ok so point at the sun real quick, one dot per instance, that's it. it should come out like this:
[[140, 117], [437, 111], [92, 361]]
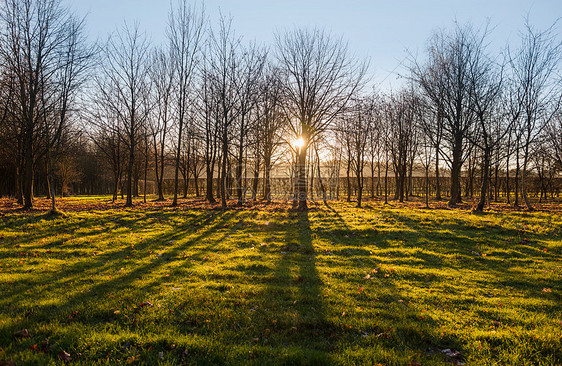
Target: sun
[[299, 143]]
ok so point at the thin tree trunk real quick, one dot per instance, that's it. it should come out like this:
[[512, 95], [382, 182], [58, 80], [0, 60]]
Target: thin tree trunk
[[484, 188], [348, 180], [524, 180], [437, 180], [517, 171], [359, 187], [427, 186]]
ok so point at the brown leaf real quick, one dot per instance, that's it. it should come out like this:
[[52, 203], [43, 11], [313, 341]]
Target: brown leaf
[[45, 346], [24, 333], [64, 356]]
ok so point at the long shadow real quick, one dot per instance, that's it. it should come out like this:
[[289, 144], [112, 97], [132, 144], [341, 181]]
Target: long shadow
[[293, 292], [397, 321], [117, 283]]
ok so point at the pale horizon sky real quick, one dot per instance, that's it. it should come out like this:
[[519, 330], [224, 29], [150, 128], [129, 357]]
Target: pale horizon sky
[[381, 30]]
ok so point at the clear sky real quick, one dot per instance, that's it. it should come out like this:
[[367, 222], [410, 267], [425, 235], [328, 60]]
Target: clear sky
[[382, 30]]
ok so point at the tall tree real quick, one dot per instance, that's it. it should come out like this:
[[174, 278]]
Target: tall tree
[[37, 49], [319, 77], [445, 79], [224, 64], [248, 88], [185, 33], [162, 82], [123, 86], [536, 67]]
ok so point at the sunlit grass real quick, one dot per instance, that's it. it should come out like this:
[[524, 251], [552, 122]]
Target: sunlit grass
[[337, 285]]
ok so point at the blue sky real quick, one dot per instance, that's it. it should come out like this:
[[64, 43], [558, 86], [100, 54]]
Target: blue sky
[[382, 30]]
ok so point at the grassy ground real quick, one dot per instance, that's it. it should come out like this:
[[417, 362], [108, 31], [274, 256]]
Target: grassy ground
[[337, 285]]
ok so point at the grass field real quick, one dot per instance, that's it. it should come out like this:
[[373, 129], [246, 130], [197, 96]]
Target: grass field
[[263, 285]]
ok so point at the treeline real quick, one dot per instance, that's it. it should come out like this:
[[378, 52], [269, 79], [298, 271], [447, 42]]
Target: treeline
[[210, 113]]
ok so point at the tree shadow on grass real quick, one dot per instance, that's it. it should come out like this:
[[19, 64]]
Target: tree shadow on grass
[[292, 299], [103, 277]]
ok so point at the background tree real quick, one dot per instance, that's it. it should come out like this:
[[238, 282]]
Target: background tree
[[539, 94], [186, 29], [162, 82], [224, 62], [123, 87], [445, 79]]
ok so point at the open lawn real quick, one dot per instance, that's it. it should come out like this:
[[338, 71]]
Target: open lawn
[[263, 285]]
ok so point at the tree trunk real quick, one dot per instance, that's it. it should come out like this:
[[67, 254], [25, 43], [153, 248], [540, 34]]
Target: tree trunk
[[507, 193], [145, 171], [256, 180], [386, 183], [129, 201], [301, 180], [524, 180], [517, 169], [196, 179], [48, 181], [224, 172], [52, 192], [427, 186], [456, 166], [322, 187], [27, 181], [484, 188], [373, 178], [239, 180], [359, 187], [348, 180], [437, 180]]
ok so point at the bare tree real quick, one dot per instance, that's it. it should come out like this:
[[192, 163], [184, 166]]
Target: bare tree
[[400, 114], [41, 48], [427, 156], [445, 80], [539, 96], [270, 124], [247, 87], [492, 125], [185, 33], [224, 64], [123, 87], [162, 82], [319, 77], [209, 127], [356, 130]]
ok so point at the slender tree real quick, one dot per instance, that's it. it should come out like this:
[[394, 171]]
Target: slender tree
[[186, 29]]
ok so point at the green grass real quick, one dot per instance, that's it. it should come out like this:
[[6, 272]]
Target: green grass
[[336, 285]]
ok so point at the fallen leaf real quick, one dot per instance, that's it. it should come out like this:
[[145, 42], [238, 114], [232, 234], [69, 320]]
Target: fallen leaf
[[64, 356], [72, 317], [24, 333], [45, 346]]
